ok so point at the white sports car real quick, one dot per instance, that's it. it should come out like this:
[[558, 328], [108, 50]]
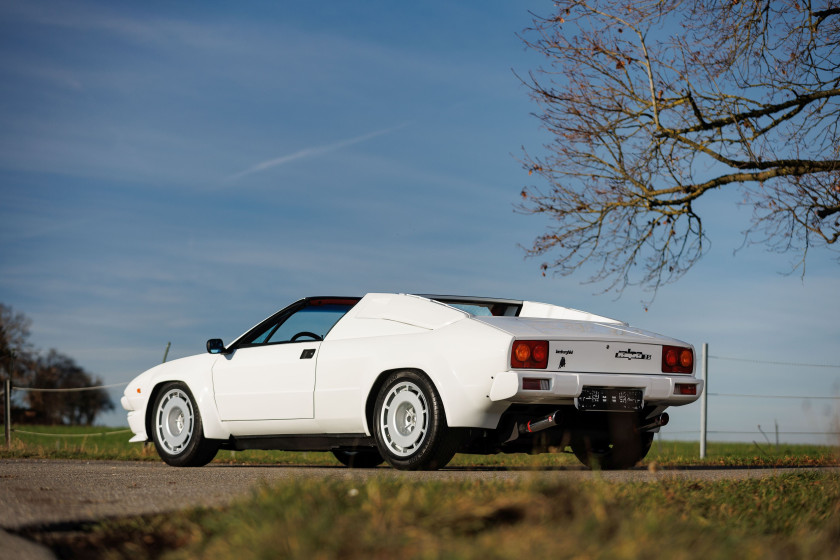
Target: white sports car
[[414, 379]]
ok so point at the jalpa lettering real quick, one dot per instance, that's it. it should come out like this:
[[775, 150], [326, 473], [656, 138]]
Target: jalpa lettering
[[631, 354]]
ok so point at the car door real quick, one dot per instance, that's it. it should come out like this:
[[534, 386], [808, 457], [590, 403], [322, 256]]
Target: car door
[[271, 382], [270, 375]]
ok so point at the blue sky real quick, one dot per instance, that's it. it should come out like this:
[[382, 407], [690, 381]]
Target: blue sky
[[176, 172]]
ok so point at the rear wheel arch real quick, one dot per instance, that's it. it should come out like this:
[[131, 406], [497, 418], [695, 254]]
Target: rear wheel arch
[[616, 444], [409, 422], [370, 403]]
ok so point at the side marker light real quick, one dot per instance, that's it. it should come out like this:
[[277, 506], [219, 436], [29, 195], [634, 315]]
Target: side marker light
[[685, 389], [535, 384]]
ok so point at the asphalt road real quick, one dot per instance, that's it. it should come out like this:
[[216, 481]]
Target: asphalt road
[[36, 494]]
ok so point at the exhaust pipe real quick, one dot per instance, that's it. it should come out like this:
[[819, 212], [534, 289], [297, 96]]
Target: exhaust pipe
[[540, 424], [658, 422]]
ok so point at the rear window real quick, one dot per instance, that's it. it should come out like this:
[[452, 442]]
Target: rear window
[[474, 309], [484, 308]]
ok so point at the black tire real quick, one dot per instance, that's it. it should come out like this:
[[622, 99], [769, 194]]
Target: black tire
[[366, 458], [622, 446], [409, 424], [177, 430]]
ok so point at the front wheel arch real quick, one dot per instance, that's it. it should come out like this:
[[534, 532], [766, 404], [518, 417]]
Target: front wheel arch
[[150, 405], [198, 450], [210, 422]]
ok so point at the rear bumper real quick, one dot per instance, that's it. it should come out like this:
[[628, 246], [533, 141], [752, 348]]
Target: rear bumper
[[565, 387]]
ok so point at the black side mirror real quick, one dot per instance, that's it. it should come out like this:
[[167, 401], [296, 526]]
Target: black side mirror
[[216, 346]]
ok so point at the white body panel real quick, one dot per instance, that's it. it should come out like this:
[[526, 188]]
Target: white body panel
[[266, 383], [564, 388], [195, 372], [548, 311], [272, 390], [407, 309]]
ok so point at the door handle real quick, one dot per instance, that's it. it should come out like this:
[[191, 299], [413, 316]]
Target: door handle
[[307, 354]]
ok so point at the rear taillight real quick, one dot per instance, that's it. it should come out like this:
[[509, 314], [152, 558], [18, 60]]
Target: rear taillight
[[529, 354], [676, 359]]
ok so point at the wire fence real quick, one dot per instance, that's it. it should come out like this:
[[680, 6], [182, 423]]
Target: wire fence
[[776, 363], [18, 431], [754, 432], [759, 432], [773, 363], [9, 389], [70, 389], [771, 396], [6, 394]]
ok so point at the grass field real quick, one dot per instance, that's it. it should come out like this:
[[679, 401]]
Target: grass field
[[779, 517], [70, 442], [783, 517]]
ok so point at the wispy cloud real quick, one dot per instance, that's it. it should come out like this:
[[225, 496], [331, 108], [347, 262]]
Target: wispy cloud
[[99, 17], [311, 152]]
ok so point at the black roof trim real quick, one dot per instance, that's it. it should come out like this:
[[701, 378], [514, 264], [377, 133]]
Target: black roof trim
[[470, 299]]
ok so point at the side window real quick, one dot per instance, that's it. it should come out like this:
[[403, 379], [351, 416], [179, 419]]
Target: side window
[[315, 319]]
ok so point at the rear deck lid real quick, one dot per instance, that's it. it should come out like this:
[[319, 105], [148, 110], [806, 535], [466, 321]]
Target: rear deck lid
[[589, 347]]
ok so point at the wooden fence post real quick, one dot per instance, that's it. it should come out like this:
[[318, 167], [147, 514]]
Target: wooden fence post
[[7, 400]]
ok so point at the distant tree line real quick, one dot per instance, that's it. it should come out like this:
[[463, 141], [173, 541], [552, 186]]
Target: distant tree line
[[28, 368]]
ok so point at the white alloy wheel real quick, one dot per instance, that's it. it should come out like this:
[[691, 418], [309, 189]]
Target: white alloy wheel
[[174, 421], [404, 420]]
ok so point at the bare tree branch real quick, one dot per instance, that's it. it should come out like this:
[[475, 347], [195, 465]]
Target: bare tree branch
[[655, 103]]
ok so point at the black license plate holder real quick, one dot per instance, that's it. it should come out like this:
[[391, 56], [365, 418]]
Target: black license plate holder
[[610, 399]]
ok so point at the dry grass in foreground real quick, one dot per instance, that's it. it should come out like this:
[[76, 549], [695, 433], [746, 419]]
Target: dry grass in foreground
[[784, 517]]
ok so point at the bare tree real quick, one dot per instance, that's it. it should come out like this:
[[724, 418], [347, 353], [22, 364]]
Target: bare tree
[[652, 104], [53, 371], [16, 352], [14, 338], [56, 371]]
